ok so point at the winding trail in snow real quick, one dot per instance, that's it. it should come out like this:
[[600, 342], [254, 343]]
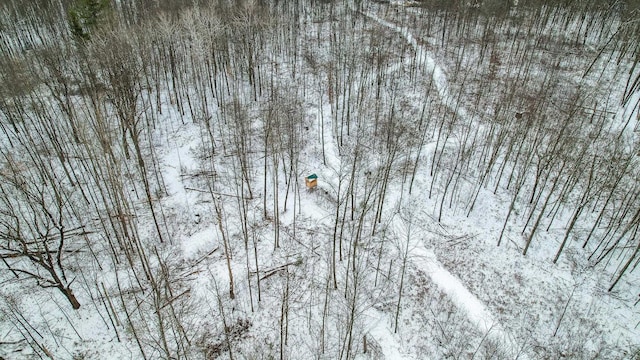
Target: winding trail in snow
[[477, 313], [424, 59], [425, 259]]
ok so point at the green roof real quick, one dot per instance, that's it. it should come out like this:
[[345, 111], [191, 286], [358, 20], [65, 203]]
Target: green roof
[[312, 177]]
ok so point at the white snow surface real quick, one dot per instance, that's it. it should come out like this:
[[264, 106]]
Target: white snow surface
[[379, 326], [198, 241]]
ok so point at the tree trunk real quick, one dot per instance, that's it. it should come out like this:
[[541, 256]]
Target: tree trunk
[[68, 293]]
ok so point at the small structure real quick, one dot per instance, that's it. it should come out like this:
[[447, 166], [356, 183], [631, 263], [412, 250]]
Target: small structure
[[311, 181]]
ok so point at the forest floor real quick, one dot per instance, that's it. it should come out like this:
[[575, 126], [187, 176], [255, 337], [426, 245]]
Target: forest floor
[[439, 288]]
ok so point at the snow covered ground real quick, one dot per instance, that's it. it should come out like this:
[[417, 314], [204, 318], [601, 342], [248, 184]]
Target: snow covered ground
[[238, 276]]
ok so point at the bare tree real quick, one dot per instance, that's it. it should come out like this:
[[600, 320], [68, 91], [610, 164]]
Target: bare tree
[[35, 230]]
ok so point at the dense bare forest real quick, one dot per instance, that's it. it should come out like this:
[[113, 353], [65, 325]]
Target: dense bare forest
[[478, 181]]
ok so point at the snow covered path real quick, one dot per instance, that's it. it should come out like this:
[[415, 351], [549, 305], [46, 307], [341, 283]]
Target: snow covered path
[[477, 313], [425, 259], [425, 60]]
